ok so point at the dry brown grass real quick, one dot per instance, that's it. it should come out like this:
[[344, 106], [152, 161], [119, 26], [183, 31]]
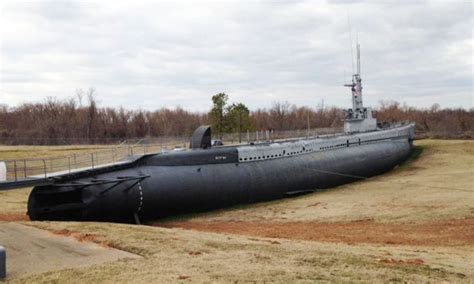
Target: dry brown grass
[[13, 203], [170, 255], [31, 152], [436, 187]]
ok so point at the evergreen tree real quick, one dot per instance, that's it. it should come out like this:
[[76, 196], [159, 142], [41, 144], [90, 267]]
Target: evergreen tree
[[217, 113], [238, 118]]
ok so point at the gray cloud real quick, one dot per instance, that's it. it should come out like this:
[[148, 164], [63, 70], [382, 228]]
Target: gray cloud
[[152, 54]]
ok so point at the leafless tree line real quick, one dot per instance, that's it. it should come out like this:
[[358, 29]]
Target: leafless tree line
[[55, 122], [433, 122]]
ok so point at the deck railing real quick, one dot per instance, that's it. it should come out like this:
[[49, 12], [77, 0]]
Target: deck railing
[[22, 169], [32, 168]]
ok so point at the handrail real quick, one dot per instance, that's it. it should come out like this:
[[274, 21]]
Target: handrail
[[25, 169]]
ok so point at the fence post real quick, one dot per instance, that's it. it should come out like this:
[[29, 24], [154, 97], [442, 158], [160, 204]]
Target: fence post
[[69, 163], [92, 159], [14, 169], [44, 169], [24, 168]]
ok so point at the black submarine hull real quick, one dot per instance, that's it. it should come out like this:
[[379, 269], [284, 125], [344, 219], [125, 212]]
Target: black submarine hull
[[156, 187]]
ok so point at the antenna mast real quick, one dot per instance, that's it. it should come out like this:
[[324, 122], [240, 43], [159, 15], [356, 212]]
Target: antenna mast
[[358, 59], [356, 88], [358, 118], [350, 37]]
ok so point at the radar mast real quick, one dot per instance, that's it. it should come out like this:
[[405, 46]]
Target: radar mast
[[358, 118]]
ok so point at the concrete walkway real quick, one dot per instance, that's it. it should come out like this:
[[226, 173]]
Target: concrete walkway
[[31, 251]]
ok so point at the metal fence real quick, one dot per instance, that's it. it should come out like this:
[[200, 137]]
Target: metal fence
[[272, 135], [21, 169]]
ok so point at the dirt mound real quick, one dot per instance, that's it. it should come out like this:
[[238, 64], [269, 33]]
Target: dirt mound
[[457, 232]]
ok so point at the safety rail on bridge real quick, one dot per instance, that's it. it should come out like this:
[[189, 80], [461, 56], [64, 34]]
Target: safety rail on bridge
[[39, 168], [43, 168]]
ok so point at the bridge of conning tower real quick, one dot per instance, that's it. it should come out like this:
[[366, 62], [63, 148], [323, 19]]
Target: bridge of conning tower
[[358, 118]]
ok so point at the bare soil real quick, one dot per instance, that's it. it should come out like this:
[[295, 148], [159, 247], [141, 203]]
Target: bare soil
[[13, 217], [83, 237], [457, 232]]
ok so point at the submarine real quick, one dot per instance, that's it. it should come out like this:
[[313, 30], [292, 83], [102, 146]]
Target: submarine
[[207, 177]]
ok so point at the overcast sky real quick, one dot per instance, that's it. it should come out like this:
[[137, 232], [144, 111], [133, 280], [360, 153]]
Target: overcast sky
[[148, 55]]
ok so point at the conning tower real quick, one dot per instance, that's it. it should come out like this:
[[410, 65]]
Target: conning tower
[[358, 118]]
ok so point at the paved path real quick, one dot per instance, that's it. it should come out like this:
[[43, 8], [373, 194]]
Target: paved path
[[31, 251]]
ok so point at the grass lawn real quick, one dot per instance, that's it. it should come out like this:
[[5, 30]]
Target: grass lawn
[[412, 224]]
